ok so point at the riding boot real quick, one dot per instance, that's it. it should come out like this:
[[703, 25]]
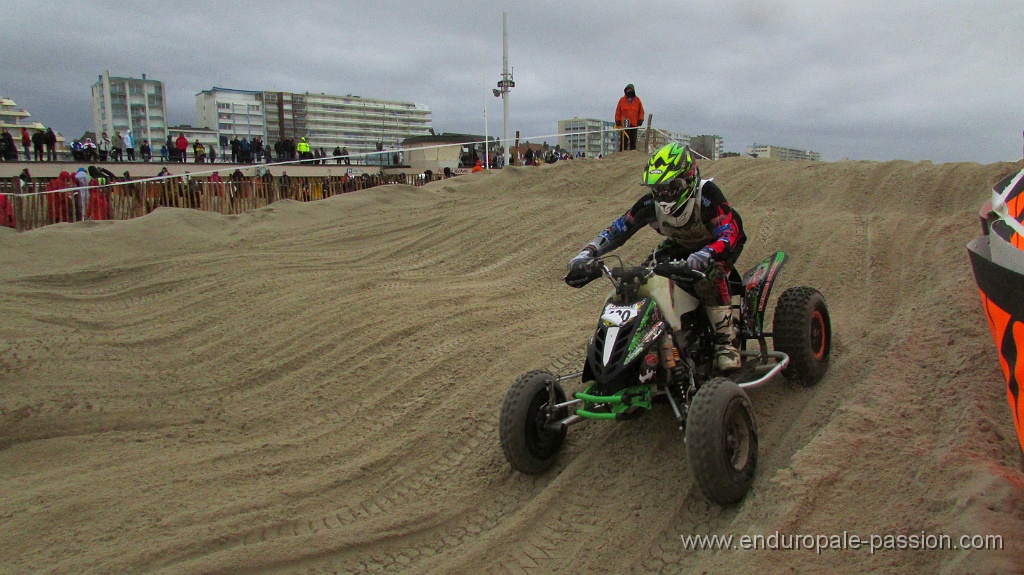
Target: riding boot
[[727, 357]]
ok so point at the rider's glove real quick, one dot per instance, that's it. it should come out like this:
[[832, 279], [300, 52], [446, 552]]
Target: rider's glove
[[672, 269], [582, 269], [581, 259], [700, 260]]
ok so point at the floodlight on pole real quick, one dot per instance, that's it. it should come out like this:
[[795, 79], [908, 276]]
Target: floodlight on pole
[[504, 85]]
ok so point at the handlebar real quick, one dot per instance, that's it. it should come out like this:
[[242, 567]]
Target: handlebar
[[647, 269]]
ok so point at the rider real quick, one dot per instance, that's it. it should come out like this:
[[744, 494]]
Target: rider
[[702, 231]]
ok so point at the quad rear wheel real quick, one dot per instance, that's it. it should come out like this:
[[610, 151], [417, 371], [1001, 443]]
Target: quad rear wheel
[[802, 329], [721, 441], [529, 444]]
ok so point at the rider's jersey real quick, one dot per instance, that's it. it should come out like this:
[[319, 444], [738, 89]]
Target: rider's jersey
[[715, 226]]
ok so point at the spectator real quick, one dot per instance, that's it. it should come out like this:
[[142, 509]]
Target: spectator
[[103, 146], [38, 141], [629, 116], [57, 202], [26, 143], [237, 182], [7, 212], [129, 144], [172, 150], [82, 194], [478, 167], [51, 145], [98, 206], [267, 181], [286, 185], [257, 149], [235, 145], [164, 153], [134, 191], [8, 151], [116, 146], [212, 153], [89, 150], [181, 145], [217, 183], [278, 150], [344, 156], [145, 151], [303, 149], [245, 151], [198, 151]]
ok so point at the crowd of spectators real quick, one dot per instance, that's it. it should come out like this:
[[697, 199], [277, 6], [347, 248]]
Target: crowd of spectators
[[96, 193], [40, 145]]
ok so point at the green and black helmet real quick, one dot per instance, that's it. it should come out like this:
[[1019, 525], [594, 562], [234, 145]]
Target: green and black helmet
[[673, 178]]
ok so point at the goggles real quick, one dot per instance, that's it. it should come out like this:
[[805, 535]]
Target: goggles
[[671, 191]]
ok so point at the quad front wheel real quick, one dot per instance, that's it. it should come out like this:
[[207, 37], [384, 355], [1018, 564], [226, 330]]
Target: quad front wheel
[[802, 329], [721, 441], [529, 444]]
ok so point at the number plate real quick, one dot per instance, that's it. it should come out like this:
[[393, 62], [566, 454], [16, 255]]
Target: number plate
[[620, 314]]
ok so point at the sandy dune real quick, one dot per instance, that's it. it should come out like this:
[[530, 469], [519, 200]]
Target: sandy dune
[[314, 388]]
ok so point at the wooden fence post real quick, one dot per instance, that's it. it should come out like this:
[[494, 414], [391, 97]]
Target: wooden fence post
[[650, 128], [16, 204]]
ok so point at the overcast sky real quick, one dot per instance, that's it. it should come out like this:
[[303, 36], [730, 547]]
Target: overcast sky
[[878, 80]]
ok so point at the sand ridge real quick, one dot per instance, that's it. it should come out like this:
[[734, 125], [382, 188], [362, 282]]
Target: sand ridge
[[314, 387]]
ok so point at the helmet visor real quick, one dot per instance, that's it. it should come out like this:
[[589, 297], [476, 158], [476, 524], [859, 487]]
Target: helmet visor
[[672, 191]]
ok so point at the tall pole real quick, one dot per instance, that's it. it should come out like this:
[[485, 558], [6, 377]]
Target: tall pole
[[487, 146], [505, 85]]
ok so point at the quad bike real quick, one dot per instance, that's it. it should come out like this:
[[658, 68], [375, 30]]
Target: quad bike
[[654, 343]]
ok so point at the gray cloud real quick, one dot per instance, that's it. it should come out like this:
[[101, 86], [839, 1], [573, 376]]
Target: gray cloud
[[865, 80]]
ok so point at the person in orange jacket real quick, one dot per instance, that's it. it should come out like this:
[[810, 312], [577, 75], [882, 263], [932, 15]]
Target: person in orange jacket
[[629, 115], [478, 167]]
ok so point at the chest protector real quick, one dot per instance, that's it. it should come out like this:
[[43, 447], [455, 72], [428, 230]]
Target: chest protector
[[692, 233]]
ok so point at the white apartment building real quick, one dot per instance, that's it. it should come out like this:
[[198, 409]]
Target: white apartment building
[[591, 136], [231, 113], [326, 121], [780, 153], [120, 104], [359, 124]]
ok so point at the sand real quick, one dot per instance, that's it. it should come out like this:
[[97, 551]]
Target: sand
[[314, 388]]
